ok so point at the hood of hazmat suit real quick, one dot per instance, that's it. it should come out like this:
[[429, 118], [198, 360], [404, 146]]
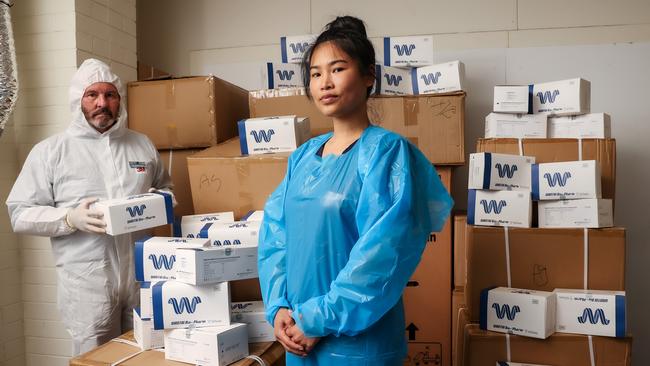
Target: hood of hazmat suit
[[96, 285], [341, 236]]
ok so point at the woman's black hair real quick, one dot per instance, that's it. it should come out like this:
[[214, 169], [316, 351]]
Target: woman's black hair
[[348, 34]]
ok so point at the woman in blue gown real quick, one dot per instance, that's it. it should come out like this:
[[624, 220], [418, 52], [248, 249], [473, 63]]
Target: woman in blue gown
[[346, 228]]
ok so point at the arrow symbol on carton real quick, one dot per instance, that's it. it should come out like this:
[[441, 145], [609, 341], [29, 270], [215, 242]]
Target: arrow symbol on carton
[[412, 329]]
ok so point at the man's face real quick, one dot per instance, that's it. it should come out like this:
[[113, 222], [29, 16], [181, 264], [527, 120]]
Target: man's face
[[100, 105]]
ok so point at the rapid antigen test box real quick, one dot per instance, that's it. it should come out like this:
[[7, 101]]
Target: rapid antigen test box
[[414, 51], [583, 213], [191, 225], [441, 78], [516, 311], [272, 134], [500, 171], [236, 233], [562, 98], [293, 48], [275, 76], [253, 216], [214, 346], [519, 126], [179, 305], [566, 180], [586, 126], [137, 212], [512, 99], [155, 258], [591, 312], [499, 208], [201, 266], [392, 81], [252, 314]]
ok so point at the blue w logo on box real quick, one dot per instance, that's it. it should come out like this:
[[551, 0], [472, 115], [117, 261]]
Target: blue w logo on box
[[184, 304], [593, 317], [285, 74], [431, 78], [404, 49], [506, 170], [162, 261], [548, 96], [262, 135], [506, 311], [227, 242], [299, 47], [136, 210], [557, 179], [493, 206], [393, 79]]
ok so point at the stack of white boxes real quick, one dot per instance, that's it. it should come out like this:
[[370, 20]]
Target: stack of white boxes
[[185, 298]]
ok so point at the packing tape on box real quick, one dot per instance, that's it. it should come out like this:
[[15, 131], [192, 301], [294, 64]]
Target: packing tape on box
[[410, 111], [508, 353], [520, 143], [585, 272], [171, 158], [580, 149], [170, 95]]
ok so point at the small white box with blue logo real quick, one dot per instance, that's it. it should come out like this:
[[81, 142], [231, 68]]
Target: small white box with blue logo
[[137, 212], [566, 180], [441, 78], [413, 51], [254, 216], [500, 171], [253, 315], [499, 208], [191, 225], [155, 257], [517, 311], [275, 76], [586, 126], [583, 213], [201, 266], [179, 305], [213, 346], [562, 98], [293, 48], [144, 334], [272, 134], [512, 99], [236, 233], [518, 126], [392, 81], [591, 312]]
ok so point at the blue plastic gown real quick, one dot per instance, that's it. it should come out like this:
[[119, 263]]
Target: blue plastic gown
[[341, 237]]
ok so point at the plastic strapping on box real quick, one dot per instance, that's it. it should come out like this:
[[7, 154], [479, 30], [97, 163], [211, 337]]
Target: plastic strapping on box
[[580, 149], [171, 157], [259, 359], [410, 111], [508, 353], [507, 242], [586, 259], [119, 340], [520, 142], [592, 357]]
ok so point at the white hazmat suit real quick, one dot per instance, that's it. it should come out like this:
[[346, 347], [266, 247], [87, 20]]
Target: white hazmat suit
[[96, 285]]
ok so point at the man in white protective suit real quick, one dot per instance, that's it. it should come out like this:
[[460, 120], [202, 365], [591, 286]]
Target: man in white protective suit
[[97, 157]]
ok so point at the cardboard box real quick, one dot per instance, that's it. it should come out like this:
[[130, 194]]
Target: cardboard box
[[485, 348], [457, 312], [392, 81], [566, 180], [586, 126], [433, 123], [186, 113], [252, 314], [298, 105], [516, 311], [499, 208], [561, 98], [460, 250], [137, 212], [236, 233], [148, 72], [590, 213], [293, 48], [558, 150], [254, 216], [512, 99], [155, 258], [599, 313], [216, 264], [191, 225], [504, 363], [272, 134], [542, 260], [214, 346], [179, 305], [500, 171], [427, 317], [276, 75], [447, 77], [519, 126], [413, 51], [223, 180], [144, 333]]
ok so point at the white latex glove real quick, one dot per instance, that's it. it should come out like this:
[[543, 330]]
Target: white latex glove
[[174, 202], [85, 219]]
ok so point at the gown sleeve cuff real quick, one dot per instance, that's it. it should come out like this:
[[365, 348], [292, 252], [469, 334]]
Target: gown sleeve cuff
[[273, 307], [309, 319]]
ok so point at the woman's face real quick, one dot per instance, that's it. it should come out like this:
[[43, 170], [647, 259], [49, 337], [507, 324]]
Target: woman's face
[[336, 85]]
